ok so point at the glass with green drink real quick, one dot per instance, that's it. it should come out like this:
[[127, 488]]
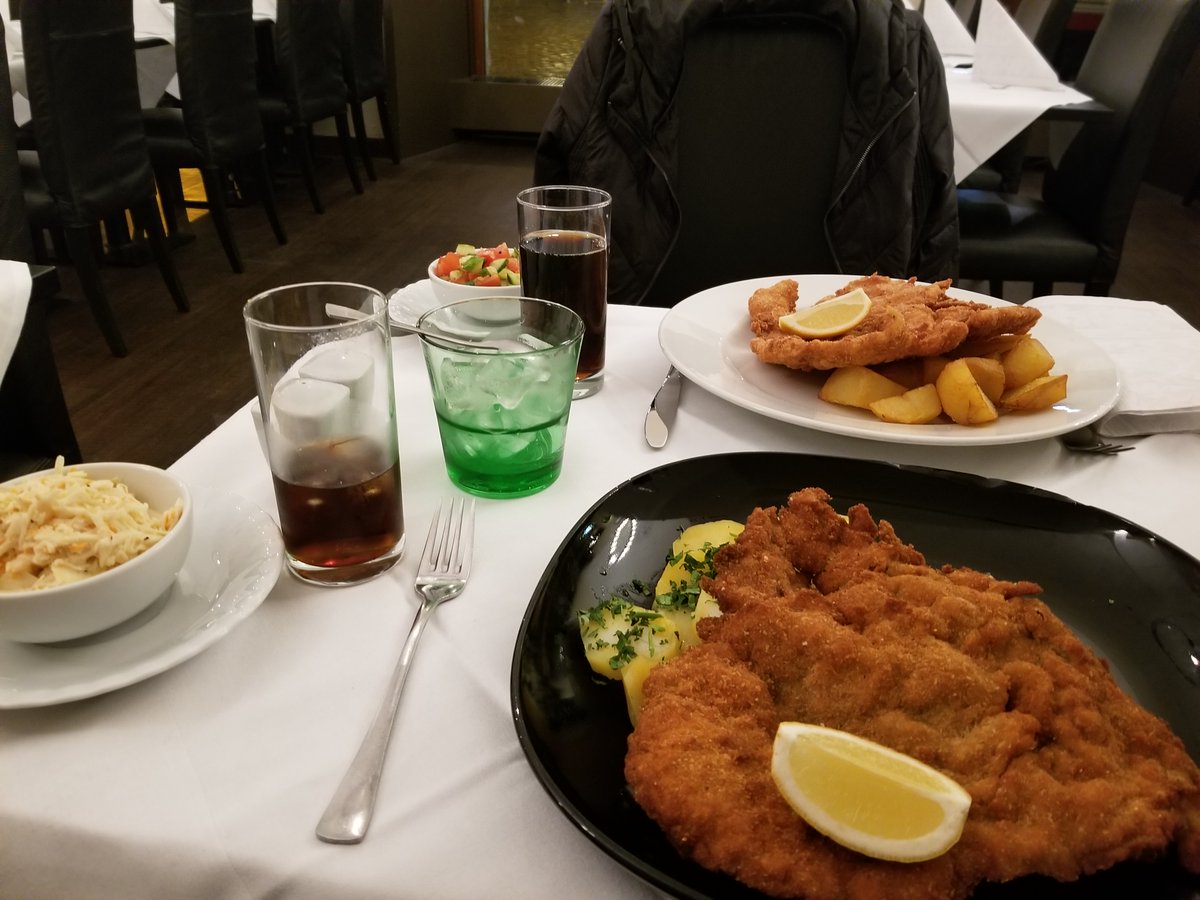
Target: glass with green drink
[[502, 382]]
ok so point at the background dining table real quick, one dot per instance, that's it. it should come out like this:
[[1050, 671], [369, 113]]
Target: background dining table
[[208, 779]]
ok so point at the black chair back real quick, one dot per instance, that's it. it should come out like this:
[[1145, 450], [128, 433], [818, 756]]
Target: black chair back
[[216, 58], [87, 114], [308, 53], [362, 47], [735, 72], [1133, 66], [1045, 22], [15, 240]]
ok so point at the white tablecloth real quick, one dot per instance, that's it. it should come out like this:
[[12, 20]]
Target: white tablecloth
[[207, 781]]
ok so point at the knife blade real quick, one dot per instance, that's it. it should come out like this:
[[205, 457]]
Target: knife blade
[[661, 415]]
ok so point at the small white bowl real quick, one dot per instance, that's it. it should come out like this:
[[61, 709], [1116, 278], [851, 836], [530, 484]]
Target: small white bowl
[[449, 291], [108, 598]]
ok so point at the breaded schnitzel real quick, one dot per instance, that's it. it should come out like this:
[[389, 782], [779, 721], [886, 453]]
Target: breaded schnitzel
[[906, 319], [842, 624]]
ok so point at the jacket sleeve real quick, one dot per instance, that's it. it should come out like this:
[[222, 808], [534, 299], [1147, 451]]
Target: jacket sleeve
[[935, 255]]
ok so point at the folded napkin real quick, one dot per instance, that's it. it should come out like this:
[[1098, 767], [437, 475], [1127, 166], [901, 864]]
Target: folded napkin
[[15, 285], [948, 30], [1005, 56], [1156, 352]]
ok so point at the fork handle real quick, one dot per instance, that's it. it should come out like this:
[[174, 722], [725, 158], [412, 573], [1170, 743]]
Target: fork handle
[[349, 812]]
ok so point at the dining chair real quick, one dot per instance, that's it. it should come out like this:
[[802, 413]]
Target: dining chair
[[1076, 230], [763, 165], [37, 424], [219, 129], [92, 161], [306, 83], [366, 73], [1044, 22]]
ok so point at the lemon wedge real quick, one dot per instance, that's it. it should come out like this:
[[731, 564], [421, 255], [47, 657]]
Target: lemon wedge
[[828, 318], [865, 796]]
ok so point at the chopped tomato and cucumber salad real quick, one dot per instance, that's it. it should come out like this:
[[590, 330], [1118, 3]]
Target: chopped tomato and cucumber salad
[[480, 266]]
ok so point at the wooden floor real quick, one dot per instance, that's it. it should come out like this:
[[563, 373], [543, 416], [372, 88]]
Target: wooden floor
[[187, 372]]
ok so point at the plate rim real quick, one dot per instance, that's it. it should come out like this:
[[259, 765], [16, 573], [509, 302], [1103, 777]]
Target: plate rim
[[961, 436], [576, 816], [187, 644]]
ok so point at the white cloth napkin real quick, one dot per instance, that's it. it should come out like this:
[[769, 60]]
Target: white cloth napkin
[[1004, 54], [949, 33], [1157, 354], [15, 285]]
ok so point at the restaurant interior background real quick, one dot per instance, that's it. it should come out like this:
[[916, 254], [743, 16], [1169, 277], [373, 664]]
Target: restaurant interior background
[[472, 83]]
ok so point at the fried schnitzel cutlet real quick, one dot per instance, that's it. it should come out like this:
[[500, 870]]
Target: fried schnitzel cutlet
[[906, 319], [842, 624]]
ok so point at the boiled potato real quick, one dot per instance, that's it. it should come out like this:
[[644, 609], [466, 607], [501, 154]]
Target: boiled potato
[[1027, 360], [916, 407], [716, 533], [633, 679], [989, 374], [963, 400], [616, 632], [858, 386], [1041, 393], [907, 372]]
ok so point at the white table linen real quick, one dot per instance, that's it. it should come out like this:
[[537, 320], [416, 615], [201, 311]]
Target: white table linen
[[207, 781], [16, 283]]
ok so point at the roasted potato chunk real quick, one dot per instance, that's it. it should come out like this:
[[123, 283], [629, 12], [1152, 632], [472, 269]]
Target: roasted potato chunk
[[858, 386], [963, 400], [989, 374], [916, 407], [1041, 393], [1027, 360]]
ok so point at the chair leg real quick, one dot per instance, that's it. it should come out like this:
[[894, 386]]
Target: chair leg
[[1043, 288], [360, 134], [385, 123], [996, 288], [87, 266], [214, 190], [267, 194], [145, 216], [343, 133], [1097, 288], [170, 192], [300, 146]]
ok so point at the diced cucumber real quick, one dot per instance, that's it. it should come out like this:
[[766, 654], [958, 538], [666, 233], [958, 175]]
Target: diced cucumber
[[460, 249], [471, 263]]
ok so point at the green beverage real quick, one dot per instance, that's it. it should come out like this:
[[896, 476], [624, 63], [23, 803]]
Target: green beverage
[[502, 408]]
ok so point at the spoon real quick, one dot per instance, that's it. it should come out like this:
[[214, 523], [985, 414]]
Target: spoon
[[336, 311]]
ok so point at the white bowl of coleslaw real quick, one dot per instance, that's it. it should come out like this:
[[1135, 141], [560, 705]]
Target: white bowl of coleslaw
[[84, 548]]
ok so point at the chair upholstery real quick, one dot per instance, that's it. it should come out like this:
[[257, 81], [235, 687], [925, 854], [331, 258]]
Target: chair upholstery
[[366, 73], [1076, 231], [1044, 22], [219, 127], [36, 423], [92, 161], [308, 83]]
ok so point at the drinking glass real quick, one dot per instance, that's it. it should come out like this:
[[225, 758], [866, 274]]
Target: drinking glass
[[564, 232], [502, 391], [329, 428]]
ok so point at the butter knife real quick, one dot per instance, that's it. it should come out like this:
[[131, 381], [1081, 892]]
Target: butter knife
[[661, 415]]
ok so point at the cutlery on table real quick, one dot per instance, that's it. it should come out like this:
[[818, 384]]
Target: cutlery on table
[[442, 575], [1088, 440], [661, 415]]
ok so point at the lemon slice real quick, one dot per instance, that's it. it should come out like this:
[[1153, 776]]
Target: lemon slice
[[828, 318], [865, 796]]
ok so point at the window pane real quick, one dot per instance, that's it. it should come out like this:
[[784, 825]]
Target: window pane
[[535, 39]]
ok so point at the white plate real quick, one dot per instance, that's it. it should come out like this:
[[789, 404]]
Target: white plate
[[707, 337], [234, 561], [409, 303]]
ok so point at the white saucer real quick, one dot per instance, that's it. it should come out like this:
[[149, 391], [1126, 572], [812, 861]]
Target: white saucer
[[235, 559], [409, 303]]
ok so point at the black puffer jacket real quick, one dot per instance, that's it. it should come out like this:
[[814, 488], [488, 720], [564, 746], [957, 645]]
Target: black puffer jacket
[[893, 207]]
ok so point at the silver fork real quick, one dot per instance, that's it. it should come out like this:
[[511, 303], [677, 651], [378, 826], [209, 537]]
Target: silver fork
[[1087, 440], [442, 575]]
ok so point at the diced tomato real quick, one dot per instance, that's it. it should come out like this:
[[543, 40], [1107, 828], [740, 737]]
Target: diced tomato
[[447, 263], [488, 281], [502, 251], [514, 264]]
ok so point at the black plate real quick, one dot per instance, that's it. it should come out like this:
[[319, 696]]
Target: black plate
[[1132, 596]]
